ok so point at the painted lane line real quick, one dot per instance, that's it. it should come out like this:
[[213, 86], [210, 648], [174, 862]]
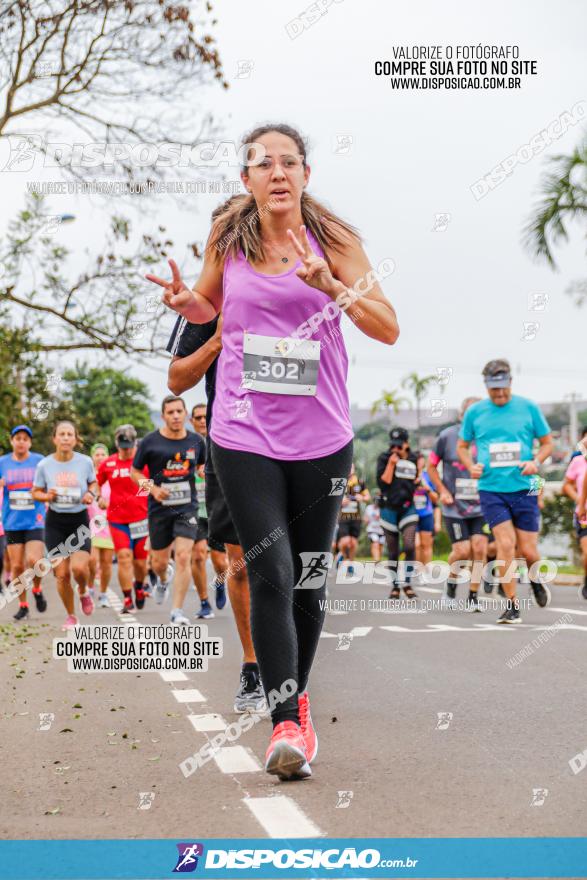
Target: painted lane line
[[327, 635], [172, 675], [566, 610], [203, 723], [398, 610], [483, 628], [236, 759], [360, 630], [280, 816], [188, 696]]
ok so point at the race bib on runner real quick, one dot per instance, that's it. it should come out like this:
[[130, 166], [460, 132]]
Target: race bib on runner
[[139, 529], [273, 365], [466, 489], [21, 499], [350, 506], [420, 501], [68, 496], [179, 493], [505, 454], [405, 470], [201, 492]]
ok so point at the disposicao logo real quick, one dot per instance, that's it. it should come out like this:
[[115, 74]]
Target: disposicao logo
[[187, 859]]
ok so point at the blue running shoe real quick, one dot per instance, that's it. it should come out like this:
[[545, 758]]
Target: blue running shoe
[[205, 612], [220, 590]]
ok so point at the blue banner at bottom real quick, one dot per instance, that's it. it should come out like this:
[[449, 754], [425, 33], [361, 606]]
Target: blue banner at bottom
[[308, 858]]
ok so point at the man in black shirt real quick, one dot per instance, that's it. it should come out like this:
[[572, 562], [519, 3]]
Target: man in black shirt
[[171, 454], [195, 349], [397, 478]]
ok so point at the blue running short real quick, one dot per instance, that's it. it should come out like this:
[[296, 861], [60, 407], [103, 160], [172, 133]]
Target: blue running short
[[519, 507]]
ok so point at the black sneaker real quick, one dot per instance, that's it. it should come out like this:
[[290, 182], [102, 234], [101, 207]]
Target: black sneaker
[[510, 615], [22, 613], [541, 594], [488, 586], [40, 601], [250, 696], [583, 591], [451, 591], [473, 604]]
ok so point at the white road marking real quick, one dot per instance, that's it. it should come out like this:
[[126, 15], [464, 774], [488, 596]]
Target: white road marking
[[236, 759], [207, 722], [172, 675], [280, 816], [566, 610], [188, 696], [428, 589], [327, 635], [360, 630], [481, 628]]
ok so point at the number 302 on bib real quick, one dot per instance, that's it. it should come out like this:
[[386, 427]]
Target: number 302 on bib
[[274, 365]]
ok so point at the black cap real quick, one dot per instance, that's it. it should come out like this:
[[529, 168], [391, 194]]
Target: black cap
[[399, 436], [125, 437]]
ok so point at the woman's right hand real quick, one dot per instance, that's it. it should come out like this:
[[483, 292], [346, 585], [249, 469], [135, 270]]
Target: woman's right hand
[[176, 294]]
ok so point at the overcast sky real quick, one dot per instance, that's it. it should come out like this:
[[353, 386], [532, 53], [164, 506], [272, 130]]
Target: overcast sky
[[461, 294]]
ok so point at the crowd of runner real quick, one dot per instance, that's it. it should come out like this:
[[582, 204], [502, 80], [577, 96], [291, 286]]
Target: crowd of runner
[[264, 455]]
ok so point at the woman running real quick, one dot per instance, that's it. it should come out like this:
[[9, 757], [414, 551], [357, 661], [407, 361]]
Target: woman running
[[397, 478], [67, 481], [425, 497], [281, 266], [102, 544]]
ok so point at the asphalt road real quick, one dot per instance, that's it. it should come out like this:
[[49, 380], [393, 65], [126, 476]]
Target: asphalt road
[[392, 762]]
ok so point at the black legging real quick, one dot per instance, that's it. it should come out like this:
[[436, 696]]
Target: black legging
[[392, 539], [268, 498]]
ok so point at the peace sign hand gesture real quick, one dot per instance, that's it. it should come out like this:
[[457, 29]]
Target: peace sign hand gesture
[[315, 270], [176, 295]]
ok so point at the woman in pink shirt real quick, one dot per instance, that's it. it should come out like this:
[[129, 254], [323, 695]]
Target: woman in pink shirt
[[574, 487], [282, 268]]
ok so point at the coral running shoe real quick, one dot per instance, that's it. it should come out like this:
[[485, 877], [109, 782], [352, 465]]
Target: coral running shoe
[[286, 755], [70, 622], [308, 732]]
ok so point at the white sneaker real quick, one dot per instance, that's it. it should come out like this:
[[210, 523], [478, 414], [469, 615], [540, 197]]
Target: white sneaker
[[161, 591], [103, 601], [178, 617]]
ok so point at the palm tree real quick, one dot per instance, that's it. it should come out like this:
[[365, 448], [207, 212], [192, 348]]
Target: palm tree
[[418, 385], [390, 401], [564, 198]]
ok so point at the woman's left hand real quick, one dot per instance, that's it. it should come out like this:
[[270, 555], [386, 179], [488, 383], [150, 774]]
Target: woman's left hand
[[88, 498], [315, 270]]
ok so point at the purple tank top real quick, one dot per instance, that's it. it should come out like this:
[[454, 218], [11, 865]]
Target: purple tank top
[[285, 400]]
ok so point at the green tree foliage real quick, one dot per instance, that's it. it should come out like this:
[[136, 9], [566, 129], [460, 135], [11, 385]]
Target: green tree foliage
[[563, 200], [102, 399]]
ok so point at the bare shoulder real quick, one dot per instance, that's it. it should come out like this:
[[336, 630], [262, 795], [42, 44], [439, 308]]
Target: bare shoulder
[[349, 249]]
